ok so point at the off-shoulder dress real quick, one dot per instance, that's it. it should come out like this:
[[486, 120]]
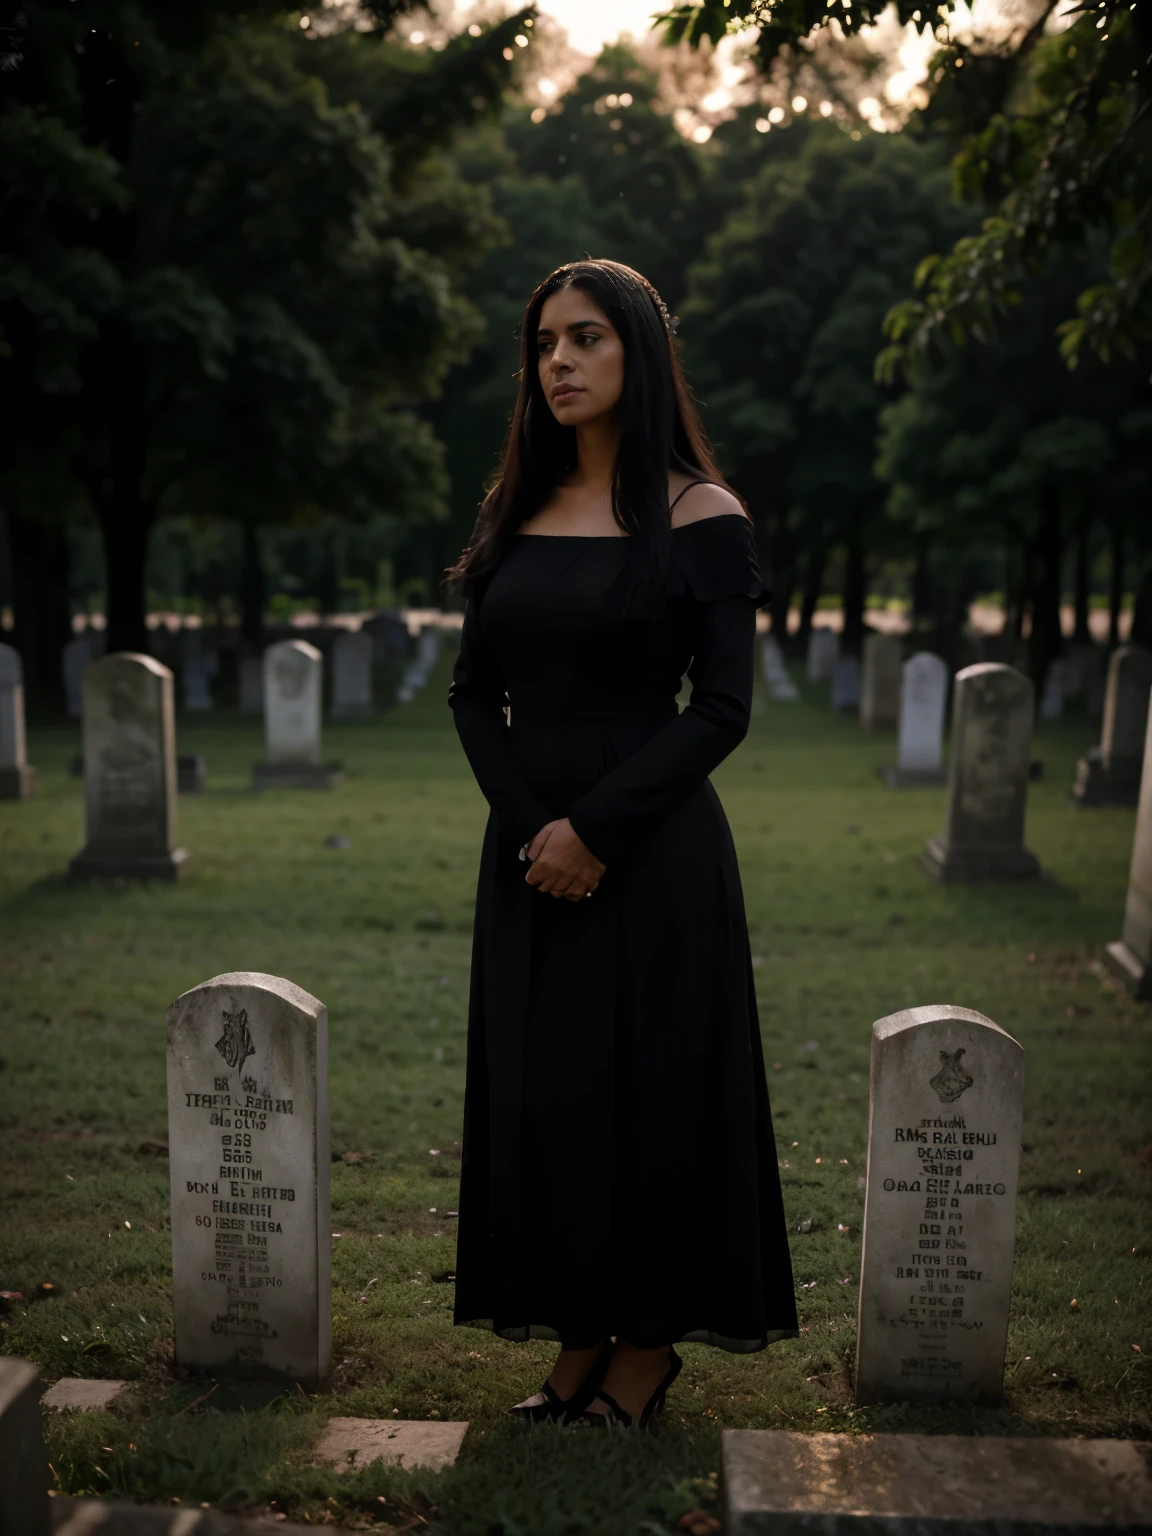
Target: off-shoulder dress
[[619, 1167]]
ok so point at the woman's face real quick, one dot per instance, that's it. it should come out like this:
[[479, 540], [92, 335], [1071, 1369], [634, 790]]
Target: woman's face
[[581, 358]]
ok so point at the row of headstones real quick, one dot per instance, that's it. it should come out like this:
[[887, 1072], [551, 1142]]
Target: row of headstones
[[1079, 674], [129, 758], [288, 690], [353, 654], [910, 697], [248, 1145]]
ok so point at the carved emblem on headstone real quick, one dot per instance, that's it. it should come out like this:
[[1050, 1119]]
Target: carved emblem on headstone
[[235, 1044], [951, 1080]]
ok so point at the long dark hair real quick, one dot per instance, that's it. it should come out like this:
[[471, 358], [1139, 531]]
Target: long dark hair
[[660, 429]]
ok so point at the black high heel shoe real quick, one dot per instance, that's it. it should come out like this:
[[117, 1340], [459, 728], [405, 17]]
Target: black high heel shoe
[[651, 1409], [566, 1410]]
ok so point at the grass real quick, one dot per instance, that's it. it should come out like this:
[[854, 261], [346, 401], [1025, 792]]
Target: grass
[[844, 929]]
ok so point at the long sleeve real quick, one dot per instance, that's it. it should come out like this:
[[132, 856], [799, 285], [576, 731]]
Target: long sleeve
[[671, 764], [476, 697]]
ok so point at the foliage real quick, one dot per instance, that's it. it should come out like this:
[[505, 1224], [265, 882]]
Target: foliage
[[226, 283], [1054, 133], [782, 325]]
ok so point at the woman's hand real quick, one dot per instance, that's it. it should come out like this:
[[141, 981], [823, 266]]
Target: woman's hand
[[561, 864]]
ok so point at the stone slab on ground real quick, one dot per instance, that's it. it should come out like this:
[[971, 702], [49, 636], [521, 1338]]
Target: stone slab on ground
[[101, 1517], [788, 1484], [82, 1392], [349, 1443]]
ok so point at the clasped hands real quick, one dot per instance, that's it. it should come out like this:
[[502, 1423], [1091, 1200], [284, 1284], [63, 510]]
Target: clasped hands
[[561, 864]]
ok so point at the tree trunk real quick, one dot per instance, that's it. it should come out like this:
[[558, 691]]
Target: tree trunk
[[1046, 641], [1082, 633], [253, 590], [1115, 582], [126, 525], [813, 581], [1141, 632], [782, 569], [855, 593], [921, 604], [40, 603], [1021, 585]]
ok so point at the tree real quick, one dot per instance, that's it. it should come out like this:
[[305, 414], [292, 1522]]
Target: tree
[[1053, 133], [781, 330], [222, 286]]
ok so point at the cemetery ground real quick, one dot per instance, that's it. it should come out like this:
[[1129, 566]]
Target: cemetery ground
[[844, 927]]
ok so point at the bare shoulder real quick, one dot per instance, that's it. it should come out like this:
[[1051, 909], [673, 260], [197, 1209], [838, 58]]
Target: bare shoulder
[[703, 501]]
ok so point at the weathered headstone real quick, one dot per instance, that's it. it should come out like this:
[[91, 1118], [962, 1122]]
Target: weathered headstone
[[24, 1474], [776, 674], [191, 773], [1110, 773], [129, 771], [292, 705], [846, 685], [1055, 682], [198, 671], [920, 736], [983, 837], [17, 780], [1130, 957], [84, 1394], [249, 1156], [417, 673], [390, 637], [350, 1444], [777, 1480], [823, 654], [252, 685], [88, 646], [947, 1103], [880, 683], [352, 674]]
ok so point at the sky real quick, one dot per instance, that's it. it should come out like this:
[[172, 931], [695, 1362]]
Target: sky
[[591, 23]]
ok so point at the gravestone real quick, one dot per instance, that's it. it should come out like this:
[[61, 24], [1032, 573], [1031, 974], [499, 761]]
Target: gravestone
[[920, 736], [417, 673], [846, 685], [249, 1156], [776, 674], [880, 683], [390, 637], [24, 1474], [1130, 957], [983, 837], [823, 654], [252, 685], [1110, 773], [198, 670], [1082, 657], [129, 771], [946, 1108], [1055, 683], [191, 773], [352, 675], [778, 1481], [292, 694], [87, 647], [17, 780]]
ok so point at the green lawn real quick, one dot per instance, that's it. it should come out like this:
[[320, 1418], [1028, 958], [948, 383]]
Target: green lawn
[[844, 929]]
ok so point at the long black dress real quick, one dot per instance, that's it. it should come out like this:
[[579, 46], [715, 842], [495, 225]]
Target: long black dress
[[619, 1169]]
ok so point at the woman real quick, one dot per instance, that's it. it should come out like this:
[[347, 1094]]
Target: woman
[[619, 1189]]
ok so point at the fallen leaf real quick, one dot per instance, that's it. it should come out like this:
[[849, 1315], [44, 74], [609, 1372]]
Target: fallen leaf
[[356, 1157], [1074, 1305], [1135, 1348], [46, 1288]]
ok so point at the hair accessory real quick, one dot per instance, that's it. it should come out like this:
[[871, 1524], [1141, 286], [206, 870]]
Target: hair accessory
[[670, 321]]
